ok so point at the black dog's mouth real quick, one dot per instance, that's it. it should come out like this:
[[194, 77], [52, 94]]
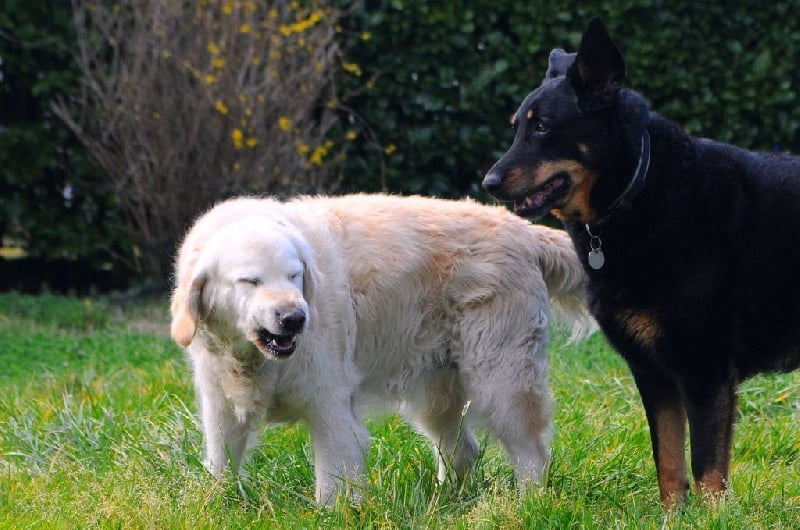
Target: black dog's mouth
[[543, 198], [275, 345]]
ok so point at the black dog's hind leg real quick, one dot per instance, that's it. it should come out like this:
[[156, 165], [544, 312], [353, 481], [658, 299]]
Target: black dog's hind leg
[[711, 408], [666, 416]]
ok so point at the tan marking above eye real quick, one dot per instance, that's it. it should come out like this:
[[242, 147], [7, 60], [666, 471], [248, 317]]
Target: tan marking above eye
[[529, 114], [513, 118]]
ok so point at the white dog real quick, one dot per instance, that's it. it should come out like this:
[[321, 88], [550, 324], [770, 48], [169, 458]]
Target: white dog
[[318, 308]]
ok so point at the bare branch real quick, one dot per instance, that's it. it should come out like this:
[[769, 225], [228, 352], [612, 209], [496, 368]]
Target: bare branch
[[186, 102]]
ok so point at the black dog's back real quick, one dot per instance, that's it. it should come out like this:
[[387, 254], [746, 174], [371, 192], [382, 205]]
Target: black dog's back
[[764, 213]]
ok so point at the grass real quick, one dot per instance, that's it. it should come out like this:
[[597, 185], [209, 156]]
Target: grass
[[98, 430]]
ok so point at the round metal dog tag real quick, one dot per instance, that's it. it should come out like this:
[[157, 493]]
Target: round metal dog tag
[[596, 259]]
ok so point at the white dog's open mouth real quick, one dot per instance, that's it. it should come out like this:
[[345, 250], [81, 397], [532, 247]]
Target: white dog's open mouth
[[275, 345]]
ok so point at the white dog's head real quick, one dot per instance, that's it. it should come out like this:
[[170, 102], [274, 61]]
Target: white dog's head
[[252, 281]]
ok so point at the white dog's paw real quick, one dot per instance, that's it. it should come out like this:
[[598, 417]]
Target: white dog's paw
[[215, 469]]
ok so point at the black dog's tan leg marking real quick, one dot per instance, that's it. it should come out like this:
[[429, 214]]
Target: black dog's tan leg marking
[[711, 408], [666, 417], [642, 327], [577, 206]]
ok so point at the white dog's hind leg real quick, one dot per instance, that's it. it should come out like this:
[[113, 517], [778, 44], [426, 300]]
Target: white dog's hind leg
[[437, 408], [526, 436], [504, 372], [340, 442]]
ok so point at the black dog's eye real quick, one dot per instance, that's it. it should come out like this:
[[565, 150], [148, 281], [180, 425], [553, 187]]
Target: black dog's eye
[[541, 128]]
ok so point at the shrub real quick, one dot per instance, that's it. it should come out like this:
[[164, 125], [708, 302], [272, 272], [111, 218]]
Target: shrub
[[50, 205], [184, 103], [428, 88], [442, 79]]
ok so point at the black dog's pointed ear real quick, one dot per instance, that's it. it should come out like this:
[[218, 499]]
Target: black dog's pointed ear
[[558, 63], [598, 72]]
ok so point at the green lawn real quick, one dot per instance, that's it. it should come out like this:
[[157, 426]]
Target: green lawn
[[98, 430]]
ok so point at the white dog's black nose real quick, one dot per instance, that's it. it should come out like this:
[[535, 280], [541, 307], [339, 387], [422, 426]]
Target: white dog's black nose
[[292, 322]]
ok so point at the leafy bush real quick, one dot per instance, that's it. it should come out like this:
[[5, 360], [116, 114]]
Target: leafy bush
[[185, 103], [429, 88], [49, 202], [441, 80]]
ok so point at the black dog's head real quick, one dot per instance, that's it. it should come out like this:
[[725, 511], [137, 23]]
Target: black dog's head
[[567, 136]]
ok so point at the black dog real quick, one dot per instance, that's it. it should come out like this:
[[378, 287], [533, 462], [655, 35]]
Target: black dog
[[690, 248]]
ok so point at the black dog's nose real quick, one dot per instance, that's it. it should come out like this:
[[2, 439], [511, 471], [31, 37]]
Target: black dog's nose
[[293, 322], [492, 181]]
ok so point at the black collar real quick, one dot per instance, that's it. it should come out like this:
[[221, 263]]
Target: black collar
[[626, 198]]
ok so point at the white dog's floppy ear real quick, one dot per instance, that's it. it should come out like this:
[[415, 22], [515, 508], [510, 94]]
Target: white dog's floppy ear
[[186, 307], [311, 274]]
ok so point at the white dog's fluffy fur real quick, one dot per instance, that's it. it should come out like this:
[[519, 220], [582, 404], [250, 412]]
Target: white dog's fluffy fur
[[318, 308]]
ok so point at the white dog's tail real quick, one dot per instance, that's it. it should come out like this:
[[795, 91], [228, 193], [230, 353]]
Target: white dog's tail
[[564, 276]]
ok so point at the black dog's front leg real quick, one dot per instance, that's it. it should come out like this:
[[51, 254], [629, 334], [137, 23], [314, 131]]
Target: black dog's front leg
[[711, 407], [666, 417]]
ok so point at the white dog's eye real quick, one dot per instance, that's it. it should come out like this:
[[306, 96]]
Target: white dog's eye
[[249, 281], [294, 276]]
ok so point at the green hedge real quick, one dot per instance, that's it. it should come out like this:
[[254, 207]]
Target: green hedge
[[441, 81], [433, 85], [49, 203]]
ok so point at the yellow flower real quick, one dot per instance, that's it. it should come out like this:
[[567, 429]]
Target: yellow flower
[[244, 29], [252, 142], [319, 153], [221, 107], [302, 149], [301, 25], [351, 135], [237, 137], [210, 79], [212, 48], [353, 68], [219, 62], [391, 148], [284, 123], [317, 156], [227, 8]]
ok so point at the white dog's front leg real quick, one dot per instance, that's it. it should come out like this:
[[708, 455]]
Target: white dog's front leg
[[340, 441], [225, 435]]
